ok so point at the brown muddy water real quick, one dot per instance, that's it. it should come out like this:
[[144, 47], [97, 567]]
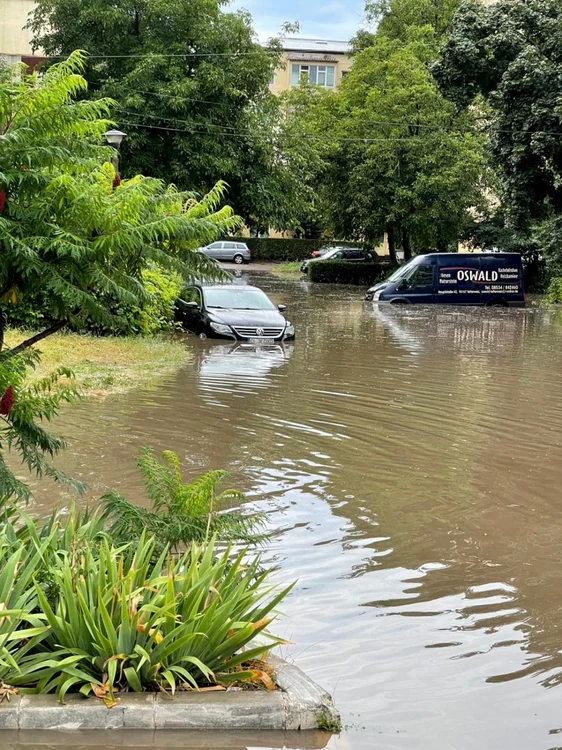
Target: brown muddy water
[[410, 464]]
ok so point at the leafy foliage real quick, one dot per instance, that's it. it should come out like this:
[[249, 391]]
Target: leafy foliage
[[342, 272], [405, 163], [21, 427], [145, 317], [65, 232], [507, 60], [554, 292], [72, 242], [114, 620], [179, 513], [192, 84], [400, 19]]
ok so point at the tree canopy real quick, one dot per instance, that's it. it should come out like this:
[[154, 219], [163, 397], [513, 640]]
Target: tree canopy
[[67, 231], [395, 155], [506, 61], [193, 90]]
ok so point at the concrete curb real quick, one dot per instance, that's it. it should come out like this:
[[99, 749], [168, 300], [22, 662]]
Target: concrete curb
[[299, 704]]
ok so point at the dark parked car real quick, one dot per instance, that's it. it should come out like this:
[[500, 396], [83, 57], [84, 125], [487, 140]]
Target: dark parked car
[[240, 313], [351, 254], [322, 252]]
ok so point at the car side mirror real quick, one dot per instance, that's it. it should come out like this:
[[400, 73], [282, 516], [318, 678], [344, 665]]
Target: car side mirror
[[281, 308], [191, 305], [402, 286]]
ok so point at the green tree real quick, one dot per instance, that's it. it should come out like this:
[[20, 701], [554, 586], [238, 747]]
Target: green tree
[[65, 230], [506, 60], [400, 161], [193, 90], [398, 19], [66, 233]]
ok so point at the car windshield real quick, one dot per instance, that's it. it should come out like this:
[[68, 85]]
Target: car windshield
[[238, 299], [402, 271]]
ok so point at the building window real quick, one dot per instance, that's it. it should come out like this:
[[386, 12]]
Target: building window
[[320, 75]]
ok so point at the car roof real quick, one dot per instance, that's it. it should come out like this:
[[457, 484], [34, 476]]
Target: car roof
[[234, 283], [467, 255]]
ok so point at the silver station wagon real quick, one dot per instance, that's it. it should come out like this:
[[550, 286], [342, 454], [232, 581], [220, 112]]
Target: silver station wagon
[[237, 252]]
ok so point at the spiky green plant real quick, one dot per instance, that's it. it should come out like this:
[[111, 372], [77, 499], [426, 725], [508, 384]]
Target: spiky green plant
[[123, 622], [179, 513]]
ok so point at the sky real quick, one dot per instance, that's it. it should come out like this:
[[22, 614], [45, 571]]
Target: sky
[[323, 19]]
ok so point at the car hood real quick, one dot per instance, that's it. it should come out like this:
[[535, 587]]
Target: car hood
[[261, 318], [380, 285]]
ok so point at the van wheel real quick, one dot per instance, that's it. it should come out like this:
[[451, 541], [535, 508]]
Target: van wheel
[[398, 302], [496, 303], [238, 259]]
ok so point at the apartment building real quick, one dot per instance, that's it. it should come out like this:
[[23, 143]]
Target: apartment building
[[317, 61], [15, 40]]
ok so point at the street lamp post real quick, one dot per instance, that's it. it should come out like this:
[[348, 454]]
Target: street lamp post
[[114, 138]]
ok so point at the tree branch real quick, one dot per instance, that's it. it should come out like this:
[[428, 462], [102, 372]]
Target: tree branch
[[38, 337]]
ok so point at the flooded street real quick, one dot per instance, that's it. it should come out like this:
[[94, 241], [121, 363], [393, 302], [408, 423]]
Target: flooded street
[[410, 463]]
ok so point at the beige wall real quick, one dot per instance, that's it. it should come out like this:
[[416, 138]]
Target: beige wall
[[14, 40], [282, 79]]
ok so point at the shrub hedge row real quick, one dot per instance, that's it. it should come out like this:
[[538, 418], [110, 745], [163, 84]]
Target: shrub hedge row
[[280, 250], [344, 272]]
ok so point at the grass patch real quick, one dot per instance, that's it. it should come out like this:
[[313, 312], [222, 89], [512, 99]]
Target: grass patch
[[287, 270], [105, 365]]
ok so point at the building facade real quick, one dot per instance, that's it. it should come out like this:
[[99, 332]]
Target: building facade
[[316, 61], [15, 40]]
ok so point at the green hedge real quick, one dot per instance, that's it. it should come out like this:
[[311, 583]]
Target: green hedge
[[280, 250], [344, 272]]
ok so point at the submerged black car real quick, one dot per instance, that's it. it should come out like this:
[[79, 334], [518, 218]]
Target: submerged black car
[[227, 311]]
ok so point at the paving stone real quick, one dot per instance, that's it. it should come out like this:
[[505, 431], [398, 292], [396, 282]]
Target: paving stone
[[9, 713], [231, 710]]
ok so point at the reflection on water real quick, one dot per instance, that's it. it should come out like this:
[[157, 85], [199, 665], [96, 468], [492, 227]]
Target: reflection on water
[[113, 740], [412, 459]]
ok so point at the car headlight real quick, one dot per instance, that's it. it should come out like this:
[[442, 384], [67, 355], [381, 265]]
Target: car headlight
[[377, 295], [289, 329], [220, 328]]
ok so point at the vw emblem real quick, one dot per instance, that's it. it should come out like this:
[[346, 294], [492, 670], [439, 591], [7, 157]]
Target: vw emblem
[[259, 331]]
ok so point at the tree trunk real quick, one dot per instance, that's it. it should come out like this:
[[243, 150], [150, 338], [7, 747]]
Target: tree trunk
[[2, 328], [406, 245], [38, 337], [391, 242]]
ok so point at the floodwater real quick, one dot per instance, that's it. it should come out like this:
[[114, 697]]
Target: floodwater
[[410, 463]]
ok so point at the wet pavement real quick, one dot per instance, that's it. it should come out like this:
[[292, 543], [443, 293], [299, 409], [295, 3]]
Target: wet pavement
[[409, 461]]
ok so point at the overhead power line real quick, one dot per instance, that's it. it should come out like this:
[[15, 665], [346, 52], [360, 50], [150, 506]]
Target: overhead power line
[[272, 137]]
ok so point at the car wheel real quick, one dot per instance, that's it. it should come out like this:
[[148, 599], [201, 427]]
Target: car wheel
[[238, 259], [203, 336]]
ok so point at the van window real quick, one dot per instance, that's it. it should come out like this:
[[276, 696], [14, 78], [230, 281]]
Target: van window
[[420, 277]]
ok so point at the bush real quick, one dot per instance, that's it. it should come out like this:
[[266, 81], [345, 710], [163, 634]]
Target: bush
[[280, 250], [121, 622], [154, 314], [344, 272], [554, 292]]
